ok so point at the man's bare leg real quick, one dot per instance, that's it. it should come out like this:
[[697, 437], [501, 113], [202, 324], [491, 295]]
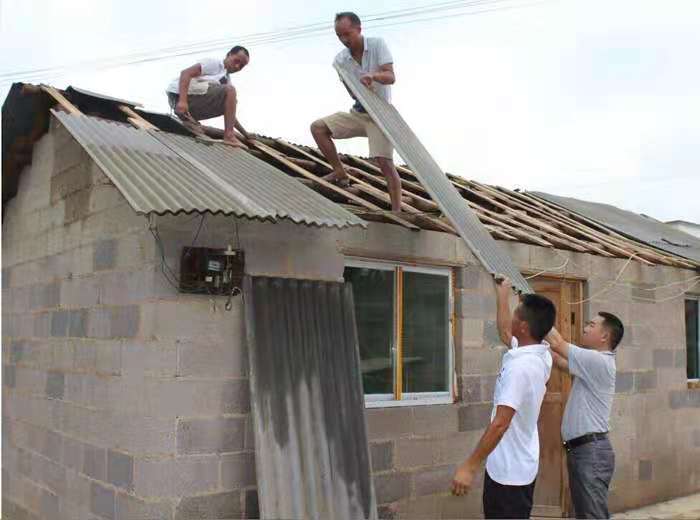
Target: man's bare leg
[[394, 181], [230, 117], [322, 135]]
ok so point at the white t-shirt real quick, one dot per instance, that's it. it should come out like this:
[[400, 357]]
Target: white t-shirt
[[521, 385], [375, 55], [212, 71]]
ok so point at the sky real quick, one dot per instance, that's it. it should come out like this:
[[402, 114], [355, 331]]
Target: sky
[[593, 99]]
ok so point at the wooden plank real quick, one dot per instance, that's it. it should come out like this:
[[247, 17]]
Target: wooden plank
[[414, 185], [609, 235], [426, 203], [498, 232], [304, 163], [554, 213], [371, 190], [513, 230], [271, 152], [136, 119], [539, 233], [61, 100], [571, 226]]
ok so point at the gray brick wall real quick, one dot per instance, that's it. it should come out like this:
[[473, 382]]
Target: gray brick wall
[[106, 368], [126, 400]]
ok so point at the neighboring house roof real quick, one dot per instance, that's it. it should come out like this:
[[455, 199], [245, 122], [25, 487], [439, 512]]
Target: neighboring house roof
[[639, 227], [508, 215]]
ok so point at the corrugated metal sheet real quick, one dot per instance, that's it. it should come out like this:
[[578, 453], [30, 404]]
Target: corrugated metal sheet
[[160, 173], [638, 227], [436, 183], [311, 450], [102, 97]]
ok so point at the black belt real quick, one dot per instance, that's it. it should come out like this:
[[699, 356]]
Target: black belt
[[584, 439]]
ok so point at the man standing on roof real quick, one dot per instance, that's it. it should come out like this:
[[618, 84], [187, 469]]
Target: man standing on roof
[[589, 455], [204, 90], [374, 65], [511, 444]]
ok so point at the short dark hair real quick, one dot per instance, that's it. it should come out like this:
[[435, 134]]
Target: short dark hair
[[539, 313], [354, 19], [614, 326], [237, 48]]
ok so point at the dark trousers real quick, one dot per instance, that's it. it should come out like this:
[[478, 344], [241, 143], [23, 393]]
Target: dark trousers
[[502, 501], [591, 468]]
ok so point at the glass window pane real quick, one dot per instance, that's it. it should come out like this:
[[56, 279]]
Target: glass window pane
[[426, 332], [373, 292], [692, 339]]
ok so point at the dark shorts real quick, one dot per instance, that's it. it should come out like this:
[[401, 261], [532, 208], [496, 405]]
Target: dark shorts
[[591, 468], [204, 106], [501, 501]]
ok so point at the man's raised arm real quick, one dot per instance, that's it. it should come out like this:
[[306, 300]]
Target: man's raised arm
[[503, 315], [558, 344]]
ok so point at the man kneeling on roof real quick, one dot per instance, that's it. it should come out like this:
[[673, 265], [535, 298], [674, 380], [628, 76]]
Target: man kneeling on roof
[[372, 62], [204, 91]]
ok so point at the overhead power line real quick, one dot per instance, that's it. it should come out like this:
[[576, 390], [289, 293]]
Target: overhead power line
[[376, 20]]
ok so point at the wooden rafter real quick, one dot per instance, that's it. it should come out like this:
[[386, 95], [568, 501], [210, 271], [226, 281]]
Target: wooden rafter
[[371, 190], [61, 100], [274, 154], [136, 119]]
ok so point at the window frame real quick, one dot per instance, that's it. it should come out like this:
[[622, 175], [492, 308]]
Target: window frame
[[693, 297], [411, 398]]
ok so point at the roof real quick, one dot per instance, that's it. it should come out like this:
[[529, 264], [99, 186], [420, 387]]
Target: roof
[[158, 172], [639, 227], [508, 215], [491, 256]]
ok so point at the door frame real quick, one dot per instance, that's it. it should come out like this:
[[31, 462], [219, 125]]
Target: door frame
[[571, 319]]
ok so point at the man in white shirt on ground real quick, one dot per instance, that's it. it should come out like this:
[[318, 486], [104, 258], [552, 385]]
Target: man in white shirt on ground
[[371, 60], [589, 455], [511, 445], [204, 91]]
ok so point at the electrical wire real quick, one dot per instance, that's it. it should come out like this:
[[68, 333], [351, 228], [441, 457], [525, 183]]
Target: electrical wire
[[278, 33], [263, 37], [552, 270], [271, 37]]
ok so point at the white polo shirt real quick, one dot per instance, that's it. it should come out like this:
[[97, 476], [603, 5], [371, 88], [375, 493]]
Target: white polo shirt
[[375, 55], [521, 385]]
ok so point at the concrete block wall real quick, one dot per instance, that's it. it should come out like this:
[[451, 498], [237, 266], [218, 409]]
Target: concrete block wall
[[415, 450], [122, 399], [655, 417]]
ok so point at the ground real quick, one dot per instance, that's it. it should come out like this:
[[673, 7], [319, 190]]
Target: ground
[[686, 508]]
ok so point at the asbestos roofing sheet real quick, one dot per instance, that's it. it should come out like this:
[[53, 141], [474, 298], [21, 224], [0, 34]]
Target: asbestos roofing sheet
[[638, 227], [478, 239], [158, 172], [312, 455]]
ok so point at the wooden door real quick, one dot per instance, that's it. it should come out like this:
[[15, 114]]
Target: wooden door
[[552, 491]]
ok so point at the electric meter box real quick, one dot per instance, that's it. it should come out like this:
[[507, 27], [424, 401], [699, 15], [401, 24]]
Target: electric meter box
[[204, 270]]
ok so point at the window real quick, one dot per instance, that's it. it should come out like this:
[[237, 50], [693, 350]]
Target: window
[[404, 327], [692, 337]]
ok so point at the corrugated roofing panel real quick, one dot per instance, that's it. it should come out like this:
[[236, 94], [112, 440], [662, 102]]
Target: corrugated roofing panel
[[160, 173], [307, 401], [436, 183], [102, 97], [633, 225]]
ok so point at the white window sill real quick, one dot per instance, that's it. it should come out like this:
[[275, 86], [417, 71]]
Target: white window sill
[[411, 401]]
